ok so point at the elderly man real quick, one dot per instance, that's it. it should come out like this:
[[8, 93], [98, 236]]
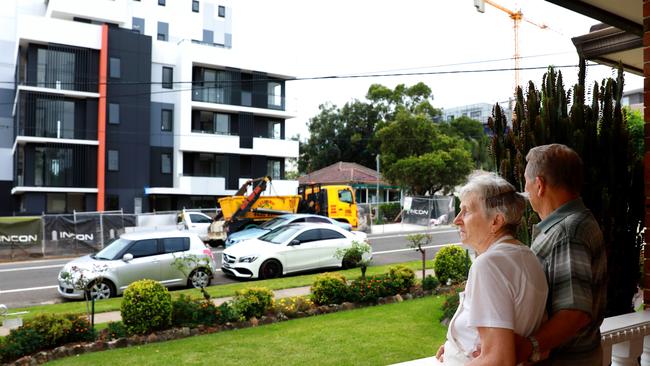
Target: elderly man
[[569, 244]]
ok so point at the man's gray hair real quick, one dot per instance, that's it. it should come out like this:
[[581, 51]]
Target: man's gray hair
[[557, 164], [495, 195]]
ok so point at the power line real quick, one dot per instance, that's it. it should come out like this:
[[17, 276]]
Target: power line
[[316, 78]]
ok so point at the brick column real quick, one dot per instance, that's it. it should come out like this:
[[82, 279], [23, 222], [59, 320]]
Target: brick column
[[646, 117]]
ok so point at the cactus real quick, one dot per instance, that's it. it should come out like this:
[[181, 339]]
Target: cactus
[[613, 171]]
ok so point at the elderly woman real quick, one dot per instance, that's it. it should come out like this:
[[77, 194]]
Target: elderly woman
[[506, 288]]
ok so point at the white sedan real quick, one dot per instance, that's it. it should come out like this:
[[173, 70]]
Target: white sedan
[[291, 248]]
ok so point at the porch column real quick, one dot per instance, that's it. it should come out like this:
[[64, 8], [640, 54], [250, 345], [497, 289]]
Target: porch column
[[646, 117]]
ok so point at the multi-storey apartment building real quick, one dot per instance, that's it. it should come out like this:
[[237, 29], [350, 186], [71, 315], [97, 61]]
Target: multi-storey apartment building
[[478, 111], [138, 105]]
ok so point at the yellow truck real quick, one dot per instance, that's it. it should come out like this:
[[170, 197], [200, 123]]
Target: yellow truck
[[244, 210]]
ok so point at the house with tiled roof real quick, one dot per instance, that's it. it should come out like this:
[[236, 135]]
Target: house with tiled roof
[[365, 181]]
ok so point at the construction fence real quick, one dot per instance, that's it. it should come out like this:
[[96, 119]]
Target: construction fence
[[422, 211]]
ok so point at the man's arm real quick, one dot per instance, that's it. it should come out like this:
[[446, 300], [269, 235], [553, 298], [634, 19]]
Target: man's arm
[[559, 329], [497, 347]]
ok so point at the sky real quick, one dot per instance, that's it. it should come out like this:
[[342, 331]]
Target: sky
[[355, 37]]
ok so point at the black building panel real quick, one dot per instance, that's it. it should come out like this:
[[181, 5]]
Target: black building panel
[[158, 178], [259, 165], [233, 172], [132, 92], [246, 130]]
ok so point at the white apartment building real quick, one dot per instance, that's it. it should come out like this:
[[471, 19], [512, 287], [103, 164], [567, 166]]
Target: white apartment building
[[138, 105]]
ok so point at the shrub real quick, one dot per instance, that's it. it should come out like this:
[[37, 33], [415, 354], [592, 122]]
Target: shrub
[[451, 263], [116, 330], [226, 313], [253, 302], [291, 306], [45, 331], [430, 283], [190, 312], [371, 289], [146, 306], [450, 305], [329, 288], [402, 278], [390, 210]]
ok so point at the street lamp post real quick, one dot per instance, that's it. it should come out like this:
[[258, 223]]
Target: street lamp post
[[377, 193]]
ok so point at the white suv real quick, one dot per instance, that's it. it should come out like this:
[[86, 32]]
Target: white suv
[[137, 256]]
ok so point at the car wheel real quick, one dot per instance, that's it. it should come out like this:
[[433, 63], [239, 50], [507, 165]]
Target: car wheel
[[100, 290], [199, 278], [270, 269]]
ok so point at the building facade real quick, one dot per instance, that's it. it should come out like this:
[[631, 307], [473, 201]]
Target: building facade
[[478, 111], [135, 105]]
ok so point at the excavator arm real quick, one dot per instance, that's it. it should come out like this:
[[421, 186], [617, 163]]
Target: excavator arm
[[259, 186]]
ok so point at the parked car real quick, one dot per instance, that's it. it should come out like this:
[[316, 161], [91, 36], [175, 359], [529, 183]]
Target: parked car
[[196, 222], [136, 256], [256, 232], [287, 249]]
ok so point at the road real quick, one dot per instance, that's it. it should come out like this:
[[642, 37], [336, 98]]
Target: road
[[35, 282]]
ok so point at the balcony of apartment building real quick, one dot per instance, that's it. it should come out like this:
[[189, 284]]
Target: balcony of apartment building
[[241, 133], [236, 91], [55, 168]]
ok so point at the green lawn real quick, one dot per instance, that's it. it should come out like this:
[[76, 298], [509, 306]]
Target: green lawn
[[215, 291], [377, 335]]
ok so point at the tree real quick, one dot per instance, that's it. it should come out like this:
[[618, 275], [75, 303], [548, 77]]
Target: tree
[[340, 134], [613, 168], [477, 142], [417, 155], [353, 256], [418, 242]]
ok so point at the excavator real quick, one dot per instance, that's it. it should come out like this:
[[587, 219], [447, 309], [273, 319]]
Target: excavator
[[244, 210]]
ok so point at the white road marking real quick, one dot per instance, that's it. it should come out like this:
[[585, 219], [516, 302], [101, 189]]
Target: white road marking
[[28, 289], [30, 268], [402, 235], [413, 250]]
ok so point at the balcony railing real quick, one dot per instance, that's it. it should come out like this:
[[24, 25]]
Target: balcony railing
[[625, 340], [229, 95]]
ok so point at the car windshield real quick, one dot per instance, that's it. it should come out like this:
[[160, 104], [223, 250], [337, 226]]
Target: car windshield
[[112, 250], [273, 223], [280, 235]]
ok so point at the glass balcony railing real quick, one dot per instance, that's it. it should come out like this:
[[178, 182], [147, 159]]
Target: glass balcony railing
[[229, 95]]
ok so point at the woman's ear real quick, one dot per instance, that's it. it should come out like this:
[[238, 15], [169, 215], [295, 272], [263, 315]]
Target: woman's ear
[[498, 222]]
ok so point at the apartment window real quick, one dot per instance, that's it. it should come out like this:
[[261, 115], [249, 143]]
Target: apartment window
[[222, 11], [166, 163], [204, 123], [55, 203], [275, 130], [137, 24], [222, 124], [54, 118], [113, 160], [53, 167], [114, 113], [273, 169], [167, 77], [274, 91], [166, 120], [208, 36], [114, 67], [195, 6], [163, 31], [161, 2], [55, 69]]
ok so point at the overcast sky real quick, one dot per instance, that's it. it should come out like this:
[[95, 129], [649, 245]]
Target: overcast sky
[[352, 37]]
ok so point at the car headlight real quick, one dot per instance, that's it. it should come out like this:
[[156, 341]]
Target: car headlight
[[248, 259]]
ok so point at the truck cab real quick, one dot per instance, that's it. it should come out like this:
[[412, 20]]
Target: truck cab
[[334, 201]]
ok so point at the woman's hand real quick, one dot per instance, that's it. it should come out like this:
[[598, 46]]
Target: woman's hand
[[440, 353]]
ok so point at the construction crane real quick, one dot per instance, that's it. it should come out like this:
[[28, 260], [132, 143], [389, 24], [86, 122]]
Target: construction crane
[[516, 16]]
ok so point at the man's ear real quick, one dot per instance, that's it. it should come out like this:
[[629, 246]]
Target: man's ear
[[541, 185]]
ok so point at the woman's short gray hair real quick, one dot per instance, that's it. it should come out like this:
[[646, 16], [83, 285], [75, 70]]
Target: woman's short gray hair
[[495, 195]]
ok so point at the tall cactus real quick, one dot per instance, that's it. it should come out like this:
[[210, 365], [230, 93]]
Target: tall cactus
[[613, 187]]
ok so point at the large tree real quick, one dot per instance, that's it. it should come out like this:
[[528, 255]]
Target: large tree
[[477, 142], [340, 134], [418, 156]]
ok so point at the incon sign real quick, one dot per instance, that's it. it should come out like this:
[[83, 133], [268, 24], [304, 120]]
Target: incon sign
[[18, 238]]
